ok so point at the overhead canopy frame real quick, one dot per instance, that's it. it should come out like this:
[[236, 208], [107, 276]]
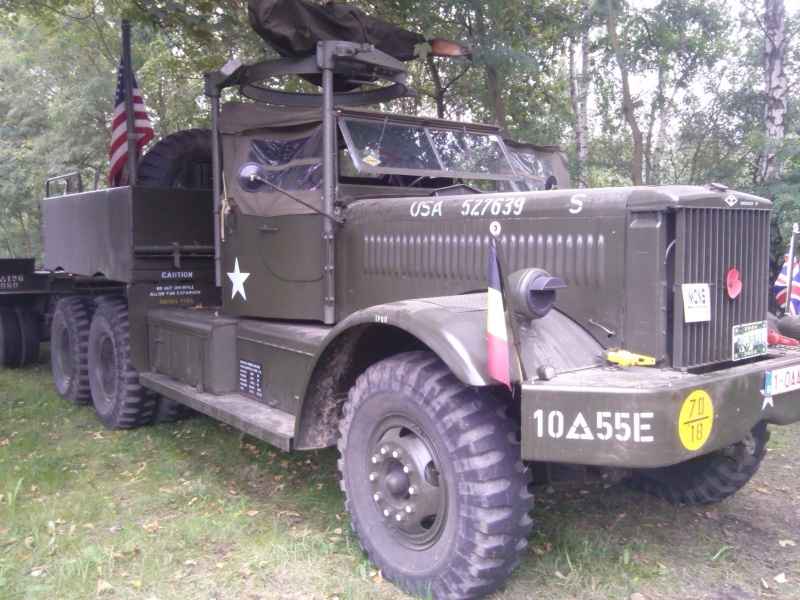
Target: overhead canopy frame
[[353, 64]]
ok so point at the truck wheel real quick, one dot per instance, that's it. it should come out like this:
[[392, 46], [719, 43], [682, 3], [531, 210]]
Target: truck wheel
[[29, 335], [433, 478], [167, 410], [10, 339], [119, 400], [709, 478], [182, 160], [69, 348]]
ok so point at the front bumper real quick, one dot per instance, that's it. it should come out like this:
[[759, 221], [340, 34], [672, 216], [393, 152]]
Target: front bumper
[[642, 417]]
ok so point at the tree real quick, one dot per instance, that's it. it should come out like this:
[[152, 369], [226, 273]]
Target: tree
[[628, 110], [776, 87]]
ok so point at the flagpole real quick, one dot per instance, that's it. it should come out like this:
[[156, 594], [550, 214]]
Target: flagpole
[[790, 267], [495, 230], [130, 117]]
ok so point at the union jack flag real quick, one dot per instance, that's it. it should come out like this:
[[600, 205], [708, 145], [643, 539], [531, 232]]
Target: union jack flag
[[780, 287], [118, 151]]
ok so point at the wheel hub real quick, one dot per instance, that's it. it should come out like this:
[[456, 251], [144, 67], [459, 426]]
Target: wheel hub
[[404, 480]]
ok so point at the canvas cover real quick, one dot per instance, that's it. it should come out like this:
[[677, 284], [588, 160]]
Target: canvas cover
[[293, 28], [285, 143]]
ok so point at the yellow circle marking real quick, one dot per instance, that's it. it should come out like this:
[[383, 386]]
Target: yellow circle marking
[[695, 420]]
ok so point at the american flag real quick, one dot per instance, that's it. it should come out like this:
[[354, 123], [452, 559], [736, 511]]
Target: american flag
[[780, 287], [118, 152], [496, 322]]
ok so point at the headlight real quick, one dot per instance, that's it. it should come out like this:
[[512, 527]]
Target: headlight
[[533, 292]]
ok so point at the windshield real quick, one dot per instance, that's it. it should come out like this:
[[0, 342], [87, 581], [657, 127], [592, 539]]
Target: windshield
[[380, 147]]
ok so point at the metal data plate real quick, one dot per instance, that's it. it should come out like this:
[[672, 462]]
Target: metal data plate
[[749, 340]]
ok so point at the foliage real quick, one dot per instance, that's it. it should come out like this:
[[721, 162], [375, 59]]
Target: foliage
[[695, 71]]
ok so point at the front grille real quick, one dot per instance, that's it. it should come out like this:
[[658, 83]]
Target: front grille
[[709, 242]]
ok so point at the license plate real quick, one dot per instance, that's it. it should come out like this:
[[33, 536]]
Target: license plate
[[696, 302], [749, 340], [782, 380]]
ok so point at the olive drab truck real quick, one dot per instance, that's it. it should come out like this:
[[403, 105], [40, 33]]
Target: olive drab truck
[[331, 289]]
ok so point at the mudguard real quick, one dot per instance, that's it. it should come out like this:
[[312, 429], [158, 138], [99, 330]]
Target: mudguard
[[453, 327]]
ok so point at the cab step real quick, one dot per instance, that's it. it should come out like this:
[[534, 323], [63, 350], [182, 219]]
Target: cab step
[[274, 426]]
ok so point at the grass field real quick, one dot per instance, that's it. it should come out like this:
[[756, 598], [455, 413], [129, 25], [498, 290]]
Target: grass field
[[199, 510]]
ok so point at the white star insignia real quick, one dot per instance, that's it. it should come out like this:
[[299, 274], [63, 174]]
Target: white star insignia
[[238, 278], [767, 400]]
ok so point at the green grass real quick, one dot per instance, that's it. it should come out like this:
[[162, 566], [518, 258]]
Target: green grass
[[199, 510]]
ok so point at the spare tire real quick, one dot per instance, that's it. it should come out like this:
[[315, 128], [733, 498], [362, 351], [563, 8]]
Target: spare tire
[[180, 160]]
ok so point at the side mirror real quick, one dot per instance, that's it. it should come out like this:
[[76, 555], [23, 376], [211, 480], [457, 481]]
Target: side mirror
[[252, 177]]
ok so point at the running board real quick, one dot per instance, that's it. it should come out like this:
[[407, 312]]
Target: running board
[[269, 424]]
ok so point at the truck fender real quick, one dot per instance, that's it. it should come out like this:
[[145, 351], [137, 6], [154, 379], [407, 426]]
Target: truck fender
[[454, 328]]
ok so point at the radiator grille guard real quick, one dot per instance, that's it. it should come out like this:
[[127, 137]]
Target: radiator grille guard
[[709, 242]]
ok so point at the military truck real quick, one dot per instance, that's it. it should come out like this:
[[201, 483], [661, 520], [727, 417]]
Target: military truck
[[331, 288]]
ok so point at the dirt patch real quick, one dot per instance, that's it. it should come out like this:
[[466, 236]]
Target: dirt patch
[[601, 541]]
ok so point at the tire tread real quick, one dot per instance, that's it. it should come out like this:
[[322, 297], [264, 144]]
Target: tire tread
[[133, 405], [719, 478], [494, 487]]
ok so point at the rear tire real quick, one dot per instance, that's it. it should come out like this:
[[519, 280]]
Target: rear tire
[[180, 160], [29, 335], [10, 339], [435, 486], [119, 400], [168, 410], [709, 478], [69, 348]]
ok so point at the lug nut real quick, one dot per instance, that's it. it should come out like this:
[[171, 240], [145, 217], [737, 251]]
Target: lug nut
[[377, 458], [386, 512], [383, 450], [398, 517], [376, 496], [409, 508], [412, 490], [372, 476], [406, 469], [395, 454]]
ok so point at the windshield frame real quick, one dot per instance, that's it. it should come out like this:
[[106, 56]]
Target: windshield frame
[[427, 126]]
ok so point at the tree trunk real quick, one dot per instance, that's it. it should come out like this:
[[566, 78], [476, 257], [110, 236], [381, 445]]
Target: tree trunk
[[775, 87], [663, 123], [627, 101], [25, 237], [9, 248], [583, 102], [495, 90], [573, 99], [493, 80], [438, 95]]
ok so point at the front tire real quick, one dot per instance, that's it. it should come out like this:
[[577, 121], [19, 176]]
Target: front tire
[[119, 400], [708, 478], [69, 348], [434, 482]]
